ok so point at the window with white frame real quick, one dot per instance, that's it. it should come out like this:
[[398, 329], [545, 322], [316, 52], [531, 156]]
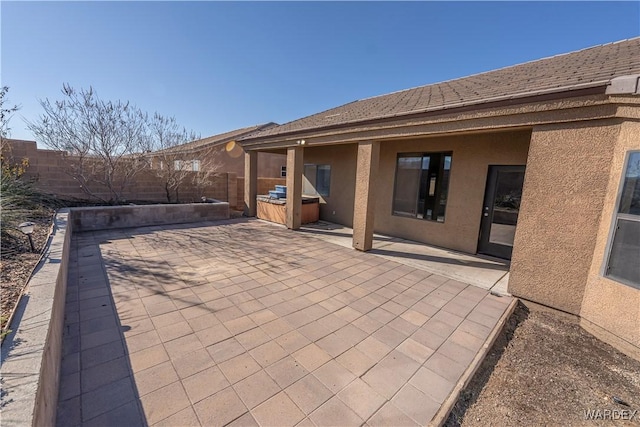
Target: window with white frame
[[623, 262], [186, 165]]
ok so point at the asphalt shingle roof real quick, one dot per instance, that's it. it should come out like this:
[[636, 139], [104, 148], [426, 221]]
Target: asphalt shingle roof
[[222, 138], [590, 67]]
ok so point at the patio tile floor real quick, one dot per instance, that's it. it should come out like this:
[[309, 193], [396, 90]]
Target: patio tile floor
[[245, 323]]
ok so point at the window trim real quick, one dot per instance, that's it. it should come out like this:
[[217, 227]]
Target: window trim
[[395, 179], [328, 192], [438, 190], [614, 224], [316, 166]]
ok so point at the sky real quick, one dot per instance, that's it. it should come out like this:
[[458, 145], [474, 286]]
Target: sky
[[219, 66]]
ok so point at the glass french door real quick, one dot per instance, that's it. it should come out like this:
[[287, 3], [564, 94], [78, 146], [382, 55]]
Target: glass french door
[[500, 210]]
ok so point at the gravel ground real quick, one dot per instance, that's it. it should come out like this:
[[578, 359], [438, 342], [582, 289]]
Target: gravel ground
[[544, 369], [17, 261]]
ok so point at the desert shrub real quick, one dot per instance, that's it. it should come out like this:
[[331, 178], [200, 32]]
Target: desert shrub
[[20, 200]]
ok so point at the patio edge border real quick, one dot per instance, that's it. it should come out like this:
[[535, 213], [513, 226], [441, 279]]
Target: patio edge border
[[443, 413], [31, 354]]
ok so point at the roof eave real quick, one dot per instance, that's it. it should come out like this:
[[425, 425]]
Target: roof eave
[[591, 88], [202, 143]]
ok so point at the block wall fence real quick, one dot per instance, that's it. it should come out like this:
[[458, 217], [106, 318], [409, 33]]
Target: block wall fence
[[46, 167]]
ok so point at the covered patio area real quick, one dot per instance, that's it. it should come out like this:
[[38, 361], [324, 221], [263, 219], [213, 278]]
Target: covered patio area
[[477, 270], [245, 323]]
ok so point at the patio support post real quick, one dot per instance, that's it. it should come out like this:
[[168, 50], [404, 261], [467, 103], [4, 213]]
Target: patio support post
[[363, 210], [295, 165], [250, 182]]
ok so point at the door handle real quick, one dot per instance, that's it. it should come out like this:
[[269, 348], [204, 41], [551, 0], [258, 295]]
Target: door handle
[[486, 214]]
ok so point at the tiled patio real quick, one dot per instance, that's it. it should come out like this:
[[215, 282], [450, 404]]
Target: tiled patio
[[478, 270], [244, 323]]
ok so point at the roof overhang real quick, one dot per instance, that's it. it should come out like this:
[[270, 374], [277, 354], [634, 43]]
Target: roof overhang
[[589, 103]]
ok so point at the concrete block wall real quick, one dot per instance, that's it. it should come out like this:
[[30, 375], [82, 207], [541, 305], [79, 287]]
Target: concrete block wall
[[47, 168], [110, 217]]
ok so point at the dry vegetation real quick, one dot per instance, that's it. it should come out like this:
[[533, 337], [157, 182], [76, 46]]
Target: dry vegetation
[[17, 261]]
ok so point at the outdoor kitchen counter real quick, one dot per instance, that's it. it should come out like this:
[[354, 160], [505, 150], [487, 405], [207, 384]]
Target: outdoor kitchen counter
[[274, 210]]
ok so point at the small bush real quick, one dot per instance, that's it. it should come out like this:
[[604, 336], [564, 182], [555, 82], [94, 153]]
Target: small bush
[[19, 199]]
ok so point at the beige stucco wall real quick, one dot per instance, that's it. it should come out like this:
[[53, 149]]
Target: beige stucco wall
[[232, 161], [564, 190], [609, 307], [270, 165], [471, 156], [338, 206]]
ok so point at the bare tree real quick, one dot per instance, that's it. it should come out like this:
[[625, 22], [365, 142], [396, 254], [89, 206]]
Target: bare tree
[[210, 164], [172, 163], [12, 168], [5, 115], [180, 158], [104, 141]]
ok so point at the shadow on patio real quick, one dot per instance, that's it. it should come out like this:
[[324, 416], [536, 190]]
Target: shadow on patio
[[240, 322]]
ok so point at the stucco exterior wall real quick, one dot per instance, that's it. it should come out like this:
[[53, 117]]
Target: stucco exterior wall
[[611, 310], [269, 165], [338, 206], [564, 191], [231, 160], [471, 156]]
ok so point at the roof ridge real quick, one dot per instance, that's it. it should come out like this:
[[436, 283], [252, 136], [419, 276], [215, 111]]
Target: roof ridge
[[497, 69]]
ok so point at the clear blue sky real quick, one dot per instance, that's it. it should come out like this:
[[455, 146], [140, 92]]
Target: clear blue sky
[[218, 66]]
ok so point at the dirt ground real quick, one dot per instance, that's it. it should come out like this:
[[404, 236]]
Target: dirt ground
[[546, 370], [17, 261]]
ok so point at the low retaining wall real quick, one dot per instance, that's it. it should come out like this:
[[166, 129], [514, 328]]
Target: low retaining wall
[[109, 217], [31, 353]]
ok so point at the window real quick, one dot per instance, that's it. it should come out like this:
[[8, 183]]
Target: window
[[317, 180], [283, 171], [323, 179], [186, 165], [421, 186], [624, 253]]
